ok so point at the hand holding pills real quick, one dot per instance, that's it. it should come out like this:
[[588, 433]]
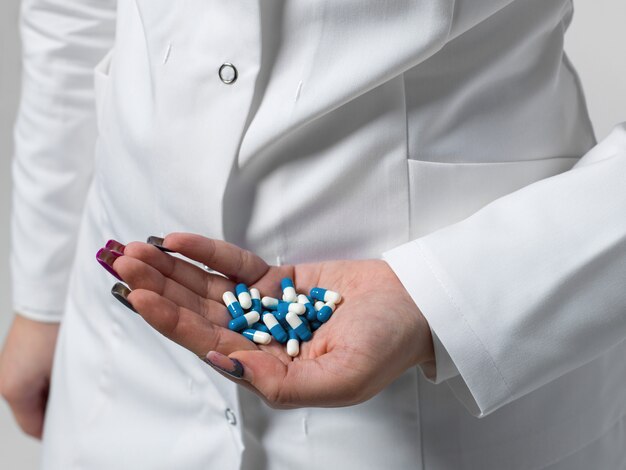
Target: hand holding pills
[[371, 337]]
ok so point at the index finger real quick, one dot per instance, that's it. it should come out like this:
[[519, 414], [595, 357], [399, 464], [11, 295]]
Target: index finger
[[238, 264]]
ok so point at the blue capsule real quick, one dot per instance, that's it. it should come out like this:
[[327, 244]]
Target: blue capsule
[[259, 337], [255, 295], [293, 345], [324, 313], [297, 323], [260, 326], [289, 293], [315, 324], [243, 296], [325, 295], [311, 314], [244, 321], [233, 305], [277, 331]]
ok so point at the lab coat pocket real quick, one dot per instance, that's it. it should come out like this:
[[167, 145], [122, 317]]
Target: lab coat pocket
[[102, 78], [445, 193]]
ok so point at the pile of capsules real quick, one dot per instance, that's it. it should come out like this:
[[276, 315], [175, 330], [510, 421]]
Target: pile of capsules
[[290, 320]]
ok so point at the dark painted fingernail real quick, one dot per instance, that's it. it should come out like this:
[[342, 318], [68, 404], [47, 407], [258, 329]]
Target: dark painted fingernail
[[120, 292], [158, 242], [232, 367], [106, 257], [115, 246]]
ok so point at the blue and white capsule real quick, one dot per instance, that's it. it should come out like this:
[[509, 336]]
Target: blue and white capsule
[[315, 324], [255, 295], [325, 312], [285, 307], [293, 345], [299, 326], [260, 326], [233, 305], [325, 295], [289, 292], [244, 321], [243, 296], [277, 331], [270, 303], [259, 337], [311, 314]]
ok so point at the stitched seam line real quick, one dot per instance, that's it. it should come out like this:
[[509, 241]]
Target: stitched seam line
[[459, 311]]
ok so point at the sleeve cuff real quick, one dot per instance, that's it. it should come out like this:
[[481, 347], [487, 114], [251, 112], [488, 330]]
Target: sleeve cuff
[[442, 368], [479, 384], [35, 303]]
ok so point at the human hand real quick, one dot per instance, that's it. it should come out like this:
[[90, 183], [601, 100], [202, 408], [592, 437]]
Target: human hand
[[25, 367], [376, 333]]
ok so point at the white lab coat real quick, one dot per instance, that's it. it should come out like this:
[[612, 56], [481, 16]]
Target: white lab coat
[[445, 136]]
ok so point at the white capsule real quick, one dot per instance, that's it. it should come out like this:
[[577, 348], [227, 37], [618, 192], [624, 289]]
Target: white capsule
[[284, 307], [255, 294], [229, 298], [318, 305], [293, 347], [259, 337], [270, 302]]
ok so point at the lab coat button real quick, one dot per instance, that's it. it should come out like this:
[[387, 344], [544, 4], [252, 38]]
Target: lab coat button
[[228, 73], [230, 416]]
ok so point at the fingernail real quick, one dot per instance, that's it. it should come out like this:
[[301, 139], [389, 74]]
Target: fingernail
[[115, 246], [120, 292], [106, 257], [158, 242], [232, 367]]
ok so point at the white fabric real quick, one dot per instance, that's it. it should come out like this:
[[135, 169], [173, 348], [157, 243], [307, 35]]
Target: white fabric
[[447, 135]]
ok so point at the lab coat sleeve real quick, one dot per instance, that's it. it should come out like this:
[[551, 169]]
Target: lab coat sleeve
[[55, 131], [531, 286]]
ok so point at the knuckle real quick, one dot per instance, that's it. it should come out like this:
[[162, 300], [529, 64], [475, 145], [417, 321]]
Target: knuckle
[[136, 249]]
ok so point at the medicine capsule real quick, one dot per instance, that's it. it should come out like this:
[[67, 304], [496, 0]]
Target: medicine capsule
[[233, 305], [277, 331], [325, 295], [299, 326], [293, 345], [289, 293], [260, 326], [259, 337], [270, 303], [284, 307], [243, 295], [244, 321], [324, 313], [311, 314], [315, 324], [255, 295]]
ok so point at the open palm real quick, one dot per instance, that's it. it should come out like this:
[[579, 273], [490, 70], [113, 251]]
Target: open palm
[[376, 333]]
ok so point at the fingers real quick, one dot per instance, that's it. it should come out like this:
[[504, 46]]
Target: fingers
[[324, 381], [140, 275], [238, 264], [209, 286], [184, 326]]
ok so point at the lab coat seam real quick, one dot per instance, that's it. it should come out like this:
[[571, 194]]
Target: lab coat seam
[[421, 250], [565, 22], [407, 158]]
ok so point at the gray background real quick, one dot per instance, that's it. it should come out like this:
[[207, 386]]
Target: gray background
[[595, 42]]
